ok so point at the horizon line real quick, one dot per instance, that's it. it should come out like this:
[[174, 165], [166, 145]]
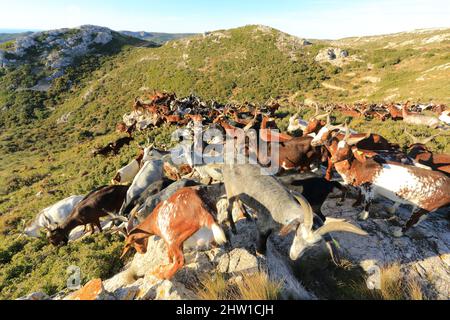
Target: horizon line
[[24, 30]]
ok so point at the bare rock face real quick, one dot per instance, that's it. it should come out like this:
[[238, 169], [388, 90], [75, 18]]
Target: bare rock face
[[238, 260], [93, 290], [36, 296], [335, 56], [64, 118], [56, 49], [423, 253], [3, 60], [138, 282]]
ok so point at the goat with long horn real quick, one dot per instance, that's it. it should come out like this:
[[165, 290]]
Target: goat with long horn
[[278, 209], [423, 156]]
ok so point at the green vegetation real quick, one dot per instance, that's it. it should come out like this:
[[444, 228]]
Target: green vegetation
[[10, 37], [157, 37], [37, 155]]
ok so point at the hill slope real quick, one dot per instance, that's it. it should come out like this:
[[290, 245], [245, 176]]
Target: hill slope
[[46, 135], [5, 37], [157, 37]]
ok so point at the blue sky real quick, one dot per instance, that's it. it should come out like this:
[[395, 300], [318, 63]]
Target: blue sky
[[329, 19]]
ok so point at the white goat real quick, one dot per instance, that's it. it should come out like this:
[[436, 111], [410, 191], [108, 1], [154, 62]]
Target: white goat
[[53, 215]]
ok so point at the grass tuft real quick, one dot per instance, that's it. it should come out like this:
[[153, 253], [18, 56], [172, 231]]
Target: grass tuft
[[245, 287]]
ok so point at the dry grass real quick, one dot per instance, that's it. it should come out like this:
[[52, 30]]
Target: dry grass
[[391, 283], [415, 290], [258, 287], [394, 286], [213, 288], [348, 282], [246, 287]]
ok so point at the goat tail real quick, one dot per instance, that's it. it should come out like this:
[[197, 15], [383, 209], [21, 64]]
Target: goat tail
[[219, 234]]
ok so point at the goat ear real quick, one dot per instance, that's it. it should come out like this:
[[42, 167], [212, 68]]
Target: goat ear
[[359, 155], [289, 227]]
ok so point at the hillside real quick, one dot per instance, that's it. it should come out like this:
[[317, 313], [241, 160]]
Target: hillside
[[46, 135], [409, 65], [5, 37], [157, 37]]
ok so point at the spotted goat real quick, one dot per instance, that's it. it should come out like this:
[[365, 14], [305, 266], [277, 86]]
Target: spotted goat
[[426, 190], [176, 220]]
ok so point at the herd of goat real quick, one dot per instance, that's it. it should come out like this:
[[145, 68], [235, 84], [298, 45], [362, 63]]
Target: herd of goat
[[155, 195]]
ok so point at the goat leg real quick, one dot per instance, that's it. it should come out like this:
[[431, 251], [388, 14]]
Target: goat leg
[[244, 211], [92, 228], [329, 172], [99, 226], [261, 242], [230, 214], [364, 215], [176, 255], [417, 216], [359, 199]]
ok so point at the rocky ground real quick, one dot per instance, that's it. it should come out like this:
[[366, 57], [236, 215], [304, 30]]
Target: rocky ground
[[423, 255]]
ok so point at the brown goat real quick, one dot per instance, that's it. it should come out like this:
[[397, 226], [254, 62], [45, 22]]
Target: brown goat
[[99, 203], [424, 189], [395, 113], [421, 154], [175, 221], [296, 153]]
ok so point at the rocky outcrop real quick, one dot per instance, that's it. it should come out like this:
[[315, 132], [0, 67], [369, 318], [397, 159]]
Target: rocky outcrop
[[36, 296], [93, 290], [423, 253], [55, 49], [335, 56], [138, 282]]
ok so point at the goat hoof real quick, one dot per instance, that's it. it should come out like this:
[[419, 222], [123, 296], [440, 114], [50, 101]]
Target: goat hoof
[[397, 232], [363, 215]]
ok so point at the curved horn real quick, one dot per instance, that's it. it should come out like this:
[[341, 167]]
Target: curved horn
[[351, 141], [130, 220], [336, 225], [428, 140], [322, 116], [308, 215], [117, 217], [413, 138], [347, 133]]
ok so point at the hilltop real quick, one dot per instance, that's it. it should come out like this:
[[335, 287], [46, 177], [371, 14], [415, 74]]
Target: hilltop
[[46, 135], [157, 37], [5, 37]]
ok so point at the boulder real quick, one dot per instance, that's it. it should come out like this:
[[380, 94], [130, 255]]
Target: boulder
[[93, 290], [36, 296], [238, 260], [335, 56]]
